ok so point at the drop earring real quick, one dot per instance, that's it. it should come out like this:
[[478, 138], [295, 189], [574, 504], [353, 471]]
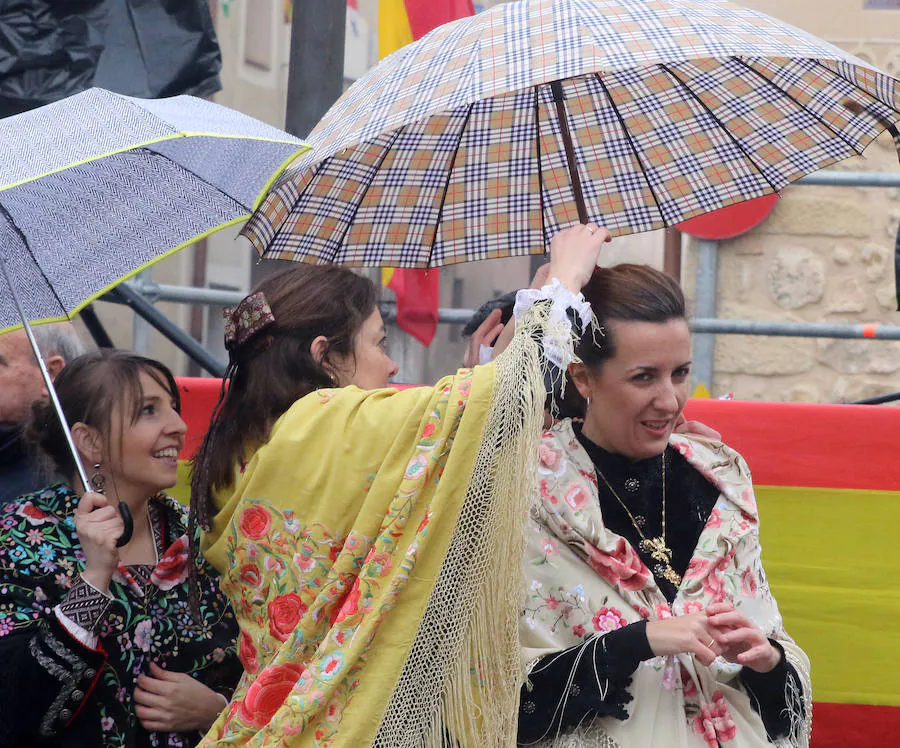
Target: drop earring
[[97, 479]]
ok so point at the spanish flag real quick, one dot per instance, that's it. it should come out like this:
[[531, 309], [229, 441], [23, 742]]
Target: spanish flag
[[399, 23]]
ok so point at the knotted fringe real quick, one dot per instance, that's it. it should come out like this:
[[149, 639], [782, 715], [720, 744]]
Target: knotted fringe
[[799, 701], [460, 685]]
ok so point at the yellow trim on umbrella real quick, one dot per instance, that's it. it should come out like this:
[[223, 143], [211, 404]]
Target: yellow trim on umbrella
[[130, 274], [277, 173], [302, 147]]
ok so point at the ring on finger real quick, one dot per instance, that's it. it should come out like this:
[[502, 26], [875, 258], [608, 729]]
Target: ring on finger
[[710, 643]]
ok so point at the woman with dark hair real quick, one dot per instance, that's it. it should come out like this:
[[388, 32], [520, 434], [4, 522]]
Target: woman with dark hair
[[98, 642], [368, 538], [648, 620]]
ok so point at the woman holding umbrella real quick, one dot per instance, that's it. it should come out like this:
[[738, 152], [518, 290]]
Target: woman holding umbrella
[[648, 619], [367, 537], [98, 642]]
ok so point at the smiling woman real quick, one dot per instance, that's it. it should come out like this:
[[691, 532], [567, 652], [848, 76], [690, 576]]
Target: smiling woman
[[99, 643], [648, 619]]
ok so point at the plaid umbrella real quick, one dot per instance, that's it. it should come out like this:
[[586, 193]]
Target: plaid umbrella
[[489, 134], [98, 186]]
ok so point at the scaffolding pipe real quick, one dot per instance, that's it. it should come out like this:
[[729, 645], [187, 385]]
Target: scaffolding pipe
[[851, 179], [705, 289]]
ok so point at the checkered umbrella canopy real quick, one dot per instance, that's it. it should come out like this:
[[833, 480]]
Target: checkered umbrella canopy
[[478, 140], [98, 186]]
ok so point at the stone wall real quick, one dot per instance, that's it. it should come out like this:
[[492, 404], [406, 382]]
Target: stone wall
[[825, 254]]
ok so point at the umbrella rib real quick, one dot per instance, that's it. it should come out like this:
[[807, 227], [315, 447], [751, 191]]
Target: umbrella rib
[[540, 174], [719, 122], [440, 214], [182, 167], [4, 213], [368, 184], [631, 144], [771, 83]]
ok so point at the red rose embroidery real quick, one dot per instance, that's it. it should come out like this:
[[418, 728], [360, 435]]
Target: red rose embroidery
[[748, 583], [285, 612], [250, 575], [351, 604], [172, 568], [255, 522], [623, 566], [428, 430], [268, 692], [247, 653], [714, 722]]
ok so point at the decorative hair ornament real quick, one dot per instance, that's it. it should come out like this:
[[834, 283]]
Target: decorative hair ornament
[[247, 320]]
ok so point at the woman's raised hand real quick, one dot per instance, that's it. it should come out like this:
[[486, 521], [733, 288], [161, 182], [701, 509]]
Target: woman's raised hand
[[740, 640], [574, 252], [99, 525], [691, 634]]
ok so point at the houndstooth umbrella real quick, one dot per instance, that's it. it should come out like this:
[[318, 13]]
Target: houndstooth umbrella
[[98, 186], [489, 134]]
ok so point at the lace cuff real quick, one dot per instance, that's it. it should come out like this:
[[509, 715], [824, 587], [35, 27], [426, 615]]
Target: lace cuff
[[561, 300]]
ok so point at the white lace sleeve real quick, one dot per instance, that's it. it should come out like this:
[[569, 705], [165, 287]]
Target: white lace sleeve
[[561, 299]]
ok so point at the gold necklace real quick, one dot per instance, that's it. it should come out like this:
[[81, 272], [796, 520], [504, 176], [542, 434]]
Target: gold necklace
[[656, 547]]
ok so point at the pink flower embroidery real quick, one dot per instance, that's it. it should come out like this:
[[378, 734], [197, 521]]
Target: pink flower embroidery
[[715, 519], [551, 459], [714, 723], [622, 567], [552, 602], [549, 545], [662, 611], [642, 611], [696, 569], [575, 496], [578, 630], [748, 583], [608, 619], [688, 684], [692, 607]]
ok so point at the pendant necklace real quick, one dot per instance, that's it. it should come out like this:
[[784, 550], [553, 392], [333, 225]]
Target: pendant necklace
[[655, 547]]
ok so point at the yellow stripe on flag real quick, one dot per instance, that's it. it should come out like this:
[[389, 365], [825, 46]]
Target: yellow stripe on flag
[[393, 27], [386, 275], [831, 556]]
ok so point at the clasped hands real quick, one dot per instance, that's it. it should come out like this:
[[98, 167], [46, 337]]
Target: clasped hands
[[721, 631]]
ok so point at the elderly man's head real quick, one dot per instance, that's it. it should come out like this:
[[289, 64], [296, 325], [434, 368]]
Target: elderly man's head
[[20, 378]]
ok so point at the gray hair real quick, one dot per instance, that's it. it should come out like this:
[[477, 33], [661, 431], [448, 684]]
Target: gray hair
[[58, 339]]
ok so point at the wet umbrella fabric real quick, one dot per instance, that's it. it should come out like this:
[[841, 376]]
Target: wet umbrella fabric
[[477, 141], [96, 187]]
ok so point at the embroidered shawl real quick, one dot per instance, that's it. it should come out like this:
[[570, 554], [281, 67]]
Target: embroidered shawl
[[583, 580], [372, 550]]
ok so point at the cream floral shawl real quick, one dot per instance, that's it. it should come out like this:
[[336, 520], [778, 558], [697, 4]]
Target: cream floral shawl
[[582, 580]]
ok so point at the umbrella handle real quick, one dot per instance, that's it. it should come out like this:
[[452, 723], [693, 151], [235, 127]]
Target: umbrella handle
[[128, 521]]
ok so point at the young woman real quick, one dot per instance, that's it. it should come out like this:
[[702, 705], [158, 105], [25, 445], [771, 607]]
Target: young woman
[[98, 643], [648, 620], [368, 538]]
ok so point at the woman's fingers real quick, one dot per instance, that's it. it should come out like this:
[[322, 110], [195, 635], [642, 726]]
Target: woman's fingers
[[148, 698], [729, 618], [89, 501]]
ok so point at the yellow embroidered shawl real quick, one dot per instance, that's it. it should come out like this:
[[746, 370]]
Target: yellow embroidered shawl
[[372, 551]]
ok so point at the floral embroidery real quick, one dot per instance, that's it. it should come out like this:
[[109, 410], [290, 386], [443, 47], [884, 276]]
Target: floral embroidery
[[714, 723], [622, 566], [608, 619], [150, 620]]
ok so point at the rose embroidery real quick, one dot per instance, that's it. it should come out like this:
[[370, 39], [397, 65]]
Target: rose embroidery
[[285, 612], [268, 692], [255, 522], [622, 566], [714, 722], [172, 568], [247, 653]]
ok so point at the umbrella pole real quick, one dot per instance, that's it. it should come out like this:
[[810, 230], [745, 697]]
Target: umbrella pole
[[560, 100], [46, 375]]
